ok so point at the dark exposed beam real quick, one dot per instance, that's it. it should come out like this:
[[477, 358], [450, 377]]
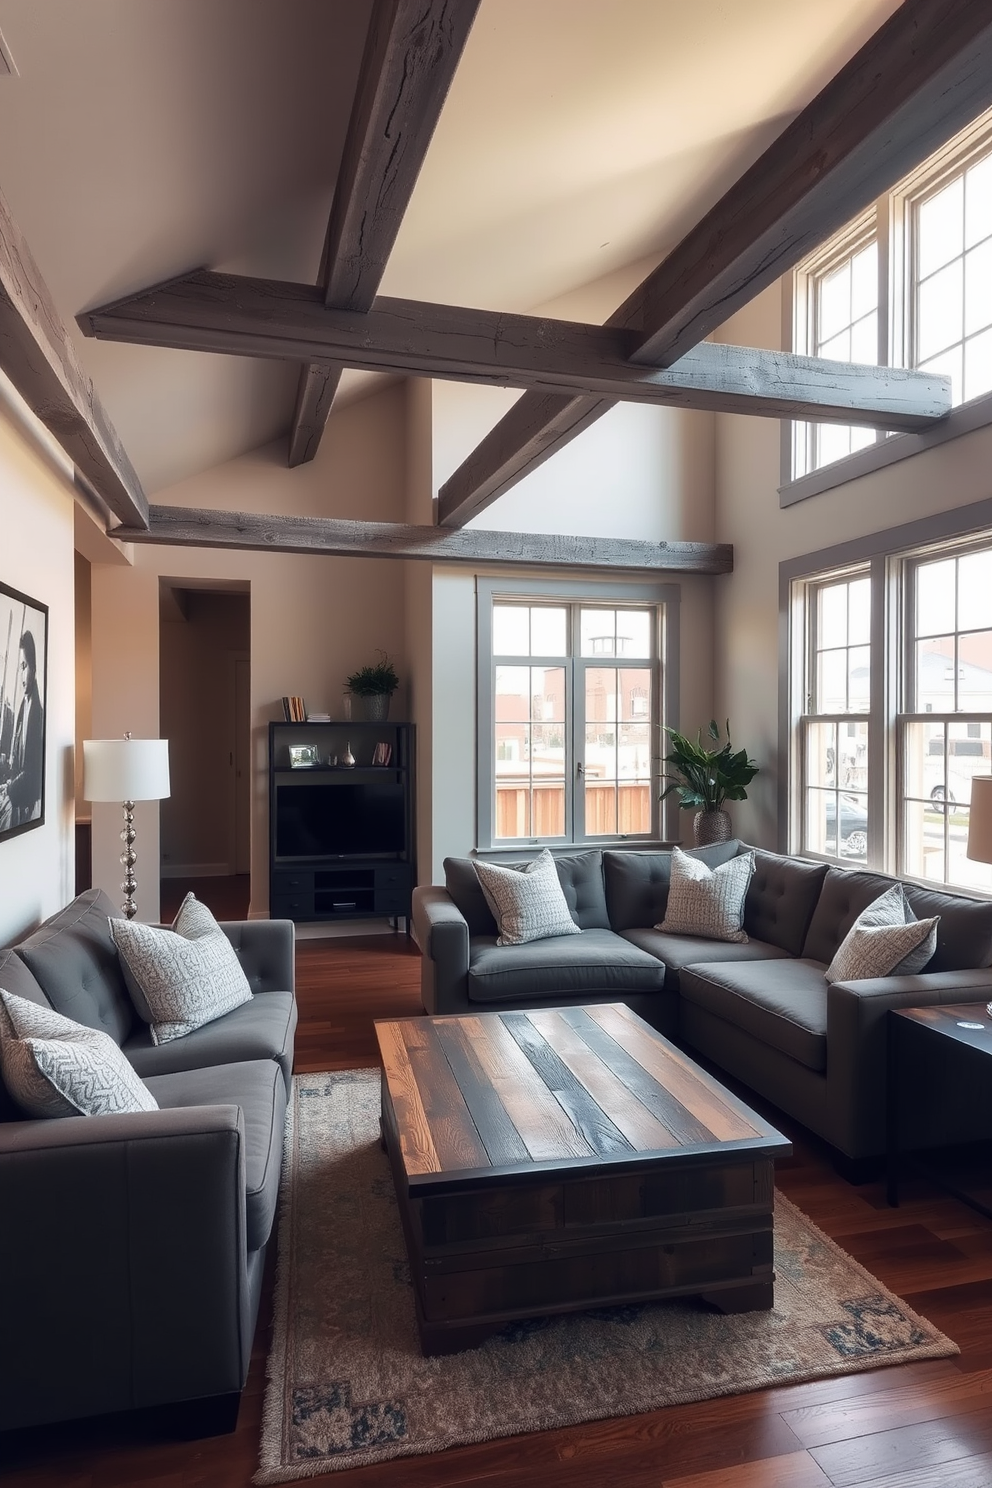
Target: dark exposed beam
[[411, 52], [184, 527], [922, 76], [269, 318], [38, 357]]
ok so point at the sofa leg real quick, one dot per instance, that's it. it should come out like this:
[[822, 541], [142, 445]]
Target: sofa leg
[[214, 1415], [857, 1170]]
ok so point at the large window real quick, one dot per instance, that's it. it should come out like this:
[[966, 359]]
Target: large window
[[570, 707], [908, 284], [888, 736], [835, 724]]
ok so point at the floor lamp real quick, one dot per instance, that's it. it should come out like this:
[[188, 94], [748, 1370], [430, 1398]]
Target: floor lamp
[[979, 847], [126, 770]]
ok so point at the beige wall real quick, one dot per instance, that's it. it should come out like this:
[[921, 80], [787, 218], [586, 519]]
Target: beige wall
[[313, 619], [37, 867], [763, 535]]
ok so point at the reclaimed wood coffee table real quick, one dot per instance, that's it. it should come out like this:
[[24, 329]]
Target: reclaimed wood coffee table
[[552, 1160]]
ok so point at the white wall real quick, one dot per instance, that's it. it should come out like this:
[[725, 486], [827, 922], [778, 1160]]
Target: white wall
[[748, 515], [37, 867]]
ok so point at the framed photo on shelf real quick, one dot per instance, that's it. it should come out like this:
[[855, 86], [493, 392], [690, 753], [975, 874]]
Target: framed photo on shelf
[[303, 756], [23, 708]]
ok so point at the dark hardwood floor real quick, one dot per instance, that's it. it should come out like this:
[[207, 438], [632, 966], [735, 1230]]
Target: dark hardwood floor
[[914, 1426]]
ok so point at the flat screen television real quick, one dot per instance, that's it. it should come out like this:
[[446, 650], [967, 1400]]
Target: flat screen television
[[351, 818]]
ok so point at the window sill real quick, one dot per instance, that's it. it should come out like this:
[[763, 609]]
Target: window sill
[[963, 420]]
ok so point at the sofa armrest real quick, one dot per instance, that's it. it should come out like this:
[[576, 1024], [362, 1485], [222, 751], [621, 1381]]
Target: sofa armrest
[[857, 1043], [441, 931], [266, 950], [126, 1236]]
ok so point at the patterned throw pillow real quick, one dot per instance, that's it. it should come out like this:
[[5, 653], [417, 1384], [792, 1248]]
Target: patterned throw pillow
[[527, 903], [885, 940], [55, 1067], [181, 978], [707, 901]]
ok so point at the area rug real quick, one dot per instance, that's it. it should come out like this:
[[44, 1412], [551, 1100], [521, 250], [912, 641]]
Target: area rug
[[347, 1384]]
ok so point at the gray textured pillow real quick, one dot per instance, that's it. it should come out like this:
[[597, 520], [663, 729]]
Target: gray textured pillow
[[528, 902], [707, 901], [181, 978], [55, 1067], [885, 940]]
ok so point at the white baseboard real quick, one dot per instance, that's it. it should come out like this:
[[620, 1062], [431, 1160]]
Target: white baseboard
[[324, 930], [196, 870]]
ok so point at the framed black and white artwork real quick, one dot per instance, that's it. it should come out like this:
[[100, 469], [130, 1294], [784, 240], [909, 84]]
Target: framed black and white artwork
[[23, 711]]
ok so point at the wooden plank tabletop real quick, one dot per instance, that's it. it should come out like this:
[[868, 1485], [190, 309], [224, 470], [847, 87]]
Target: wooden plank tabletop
[[554, 1088]]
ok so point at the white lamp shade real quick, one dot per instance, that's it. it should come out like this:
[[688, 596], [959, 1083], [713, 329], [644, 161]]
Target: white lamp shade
[[125, 769], [980, 820]]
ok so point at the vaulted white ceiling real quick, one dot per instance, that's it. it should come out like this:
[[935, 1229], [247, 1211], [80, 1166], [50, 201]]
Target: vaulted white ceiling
[[143, 138]]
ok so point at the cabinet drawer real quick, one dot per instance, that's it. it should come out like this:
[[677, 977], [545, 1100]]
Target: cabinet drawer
[[397, 876], [291, 907], [392, 902], [292, 883]]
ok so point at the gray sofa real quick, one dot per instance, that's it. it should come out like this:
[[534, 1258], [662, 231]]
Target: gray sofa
[[762, 1011], [132, 1246]]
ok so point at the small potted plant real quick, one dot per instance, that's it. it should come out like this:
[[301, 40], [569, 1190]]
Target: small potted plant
[[705, 778], [374, 686]]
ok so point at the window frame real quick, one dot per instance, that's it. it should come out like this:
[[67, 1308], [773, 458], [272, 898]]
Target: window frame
[[894, 214], [893, 556], [665, 600]]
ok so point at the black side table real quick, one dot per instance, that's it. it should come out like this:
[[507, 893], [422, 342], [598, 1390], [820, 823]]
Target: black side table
[[939, 1106]]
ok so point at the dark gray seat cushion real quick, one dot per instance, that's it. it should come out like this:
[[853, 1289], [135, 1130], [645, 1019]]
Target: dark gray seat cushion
[[260, 1029], [258, 1088], [74, 959], [580, 875], [781, 898], [637, 882], [595, 962], [783, 1003], [679, 951]]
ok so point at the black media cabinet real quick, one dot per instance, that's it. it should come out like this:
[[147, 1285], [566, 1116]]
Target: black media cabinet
[[341, 837]]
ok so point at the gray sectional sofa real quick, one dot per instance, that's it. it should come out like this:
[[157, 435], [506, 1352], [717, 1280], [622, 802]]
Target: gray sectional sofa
[[132, 1246], [763, 1011]]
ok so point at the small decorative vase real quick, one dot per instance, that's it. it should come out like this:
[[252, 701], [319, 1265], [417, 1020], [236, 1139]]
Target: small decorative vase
[[375, 706], [347, 759], [712, 826]]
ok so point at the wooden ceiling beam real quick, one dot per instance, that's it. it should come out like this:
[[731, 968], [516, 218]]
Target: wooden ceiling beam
[[411, 52], [37, 354], [187, 527], [922, 76], [267, 318]]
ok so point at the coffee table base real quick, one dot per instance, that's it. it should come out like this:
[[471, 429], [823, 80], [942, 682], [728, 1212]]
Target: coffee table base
[[529, 1244]]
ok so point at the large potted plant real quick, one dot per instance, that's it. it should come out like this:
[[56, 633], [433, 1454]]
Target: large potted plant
[[374, 686], [705, 778]]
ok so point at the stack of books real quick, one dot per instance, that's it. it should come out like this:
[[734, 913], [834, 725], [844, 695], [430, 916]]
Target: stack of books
[[295, 709], [318, 718]]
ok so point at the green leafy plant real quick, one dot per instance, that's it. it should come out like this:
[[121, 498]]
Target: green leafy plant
[[373, 681], [705, 778]]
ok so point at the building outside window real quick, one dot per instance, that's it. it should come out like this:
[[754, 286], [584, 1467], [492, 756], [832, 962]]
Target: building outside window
[[571, 700], [907, 284]]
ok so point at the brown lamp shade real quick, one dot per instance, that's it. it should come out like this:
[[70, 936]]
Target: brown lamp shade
[[980, 820]]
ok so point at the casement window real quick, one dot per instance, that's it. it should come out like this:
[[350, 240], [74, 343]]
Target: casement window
[[892, 709], [907, 284], [572, 696]]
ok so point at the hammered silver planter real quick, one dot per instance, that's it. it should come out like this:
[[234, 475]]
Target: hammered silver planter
[[375, 708]]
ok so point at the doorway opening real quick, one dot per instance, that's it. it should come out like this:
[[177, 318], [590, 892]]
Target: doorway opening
[[205, 713]]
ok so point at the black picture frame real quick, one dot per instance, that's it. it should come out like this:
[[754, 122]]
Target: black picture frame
[[23, 711]]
